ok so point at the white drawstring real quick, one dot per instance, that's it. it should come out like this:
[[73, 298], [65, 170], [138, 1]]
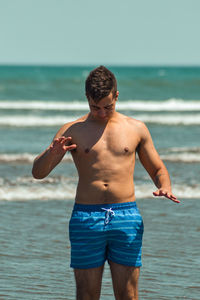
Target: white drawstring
[[109, 212]]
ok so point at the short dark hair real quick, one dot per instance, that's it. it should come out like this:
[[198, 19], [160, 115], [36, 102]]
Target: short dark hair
[[99, 83]]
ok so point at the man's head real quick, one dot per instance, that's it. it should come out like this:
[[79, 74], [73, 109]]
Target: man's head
[[102, 94], [100, 83]]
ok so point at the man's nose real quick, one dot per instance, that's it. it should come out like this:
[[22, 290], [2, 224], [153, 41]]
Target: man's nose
[[102, 113]]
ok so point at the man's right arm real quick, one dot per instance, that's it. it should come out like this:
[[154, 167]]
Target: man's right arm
[[48, 159]]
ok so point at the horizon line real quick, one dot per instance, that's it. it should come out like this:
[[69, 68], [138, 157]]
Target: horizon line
[[98, 64]]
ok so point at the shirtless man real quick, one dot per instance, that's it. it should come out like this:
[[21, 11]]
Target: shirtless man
[[105, 222]]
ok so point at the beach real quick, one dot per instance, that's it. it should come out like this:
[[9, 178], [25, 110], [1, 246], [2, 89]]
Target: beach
[[34, 244]]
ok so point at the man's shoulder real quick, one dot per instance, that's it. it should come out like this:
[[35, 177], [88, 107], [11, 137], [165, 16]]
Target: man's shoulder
[[134, 123], [68, 128], [136, 127], [78, 121]]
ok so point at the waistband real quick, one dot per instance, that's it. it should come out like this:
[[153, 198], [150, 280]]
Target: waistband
[[98, 207]]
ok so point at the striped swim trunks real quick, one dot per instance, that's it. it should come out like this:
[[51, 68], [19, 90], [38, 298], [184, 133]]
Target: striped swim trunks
[[103, 232]]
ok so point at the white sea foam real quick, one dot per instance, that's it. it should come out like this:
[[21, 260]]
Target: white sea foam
[[181, 157], [185, 154], [53, 192], [174, 119], [37, 121], [21, 158], [28, 188], [131, 105], [44, 105], [184, 149], [167, 105], [25, 158], [21, 193], [33, 121]]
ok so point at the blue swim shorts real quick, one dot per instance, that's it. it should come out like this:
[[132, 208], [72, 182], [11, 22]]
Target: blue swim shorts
[[103, 232]]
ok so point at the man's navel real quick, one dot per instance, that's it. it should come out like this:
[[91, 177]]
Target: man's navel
[[87, 150]]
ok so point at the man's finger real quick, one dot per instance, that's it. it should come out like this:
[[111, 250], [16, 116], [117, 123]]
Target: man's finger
[[174, 199], [167, 195], [170, 196], [156, 193], [63, 140], [160, 193], [66, 140], [71, 147]]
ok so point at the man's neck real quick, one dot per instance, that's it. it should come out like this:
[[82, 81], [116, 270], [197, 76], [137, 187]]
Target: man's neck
[[103, 121]]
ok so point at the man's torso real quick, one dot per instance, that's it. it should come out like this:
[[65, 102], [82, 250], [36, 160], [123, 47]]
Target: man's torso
[[105, 159]]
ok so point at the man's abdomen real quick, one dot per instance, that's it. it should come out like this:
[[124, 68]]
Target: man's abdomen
[[105, 191]]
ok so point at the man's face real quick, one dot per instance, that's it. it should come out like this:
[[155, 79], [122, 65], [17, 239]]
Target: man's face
[[104, 109]]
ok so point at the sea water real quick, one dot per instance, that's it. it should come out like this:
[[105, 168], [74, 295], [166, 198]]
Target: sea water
[[34, 247]]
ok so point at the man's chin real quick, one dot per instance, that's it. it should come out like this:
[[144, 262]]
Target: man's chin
[[103, 119]]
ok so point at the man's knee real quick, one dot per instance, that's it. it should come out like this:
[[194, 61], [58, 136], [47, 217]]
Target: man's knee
[[87, 293], [87, 290], [128, 293], [125, 281], [88, 283]]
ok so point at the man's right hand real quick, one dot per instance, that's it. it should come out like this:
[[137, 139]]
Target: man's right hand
[[60, 146], [48, 159]]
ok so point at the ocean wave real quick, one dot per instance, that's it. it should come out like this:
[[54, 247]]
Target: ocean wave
[[34, 121], [25, 158], [181, 157], [184, 149], [21, 193], [175, 119], [28, 188], [130, 105], [50, 191], [48, 121], [185, 155]]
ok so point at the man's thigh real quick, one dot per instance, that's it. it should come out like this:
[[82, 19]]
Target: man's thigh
[[88, 282], [125, 281]]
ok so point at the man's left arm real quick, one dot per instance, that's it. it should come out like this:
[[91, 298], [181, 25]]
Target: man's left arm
[[151, 161]]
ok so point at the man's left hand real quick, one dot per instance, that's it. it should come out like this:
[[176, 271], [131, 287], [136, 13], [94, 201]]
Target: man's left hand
[[167, 194]]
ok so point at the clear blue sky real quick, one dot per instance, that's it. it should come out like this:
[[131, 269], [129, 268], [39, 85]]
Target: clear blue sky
[[142, 32]]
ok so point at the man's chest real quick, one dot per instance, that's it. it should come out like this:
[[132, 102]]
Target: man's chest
[[116, 141]]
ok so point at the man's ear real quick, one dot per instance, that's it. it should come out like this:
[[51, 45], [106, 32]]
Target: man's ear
[[117, 94], [87, 96]]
